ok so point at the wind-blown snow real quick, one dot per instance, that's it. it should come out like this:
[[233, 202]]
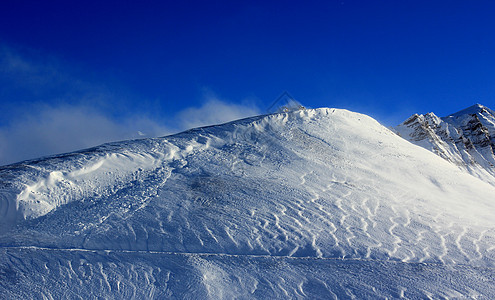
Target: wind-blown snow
[[320, 203]]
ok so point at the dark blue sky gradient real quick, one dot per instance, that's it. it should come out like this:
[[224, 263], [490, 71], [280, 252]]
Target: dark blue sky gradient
[[385, 58]]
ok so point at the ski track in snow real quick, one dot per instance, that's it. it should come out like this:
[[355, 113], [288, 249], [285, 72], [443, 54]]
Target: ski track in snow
[[305, 186], [206, 254], [144, 274]]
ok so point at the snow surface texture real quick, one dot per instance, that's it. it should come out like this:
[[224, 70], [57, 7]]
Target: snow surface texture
[[318, 204], [466, 138]]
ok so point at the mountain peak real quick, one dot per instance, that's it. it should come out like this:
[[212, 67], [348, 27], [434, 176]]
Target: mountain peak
[[465, 138], [474, 109]]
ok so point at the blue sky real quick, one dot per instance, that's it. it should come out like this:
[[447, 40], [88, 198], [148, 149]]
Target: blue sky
[[74, 74]]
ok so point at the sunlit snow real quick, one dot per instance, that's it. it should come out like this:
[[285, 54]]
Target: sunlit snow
[[318, 204]]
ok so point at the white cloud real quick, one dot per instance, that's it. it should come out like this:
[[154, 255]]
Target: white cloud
[[79, 114], [214, 111], [50, 130], [47, 130]]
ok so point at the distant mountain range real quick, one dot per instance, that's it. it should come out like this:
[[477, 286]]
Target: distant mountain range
[[466, 138], [310, 203]]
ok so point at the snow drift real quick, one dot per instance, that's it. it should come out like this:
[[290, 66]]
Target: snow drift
[[321, 203]]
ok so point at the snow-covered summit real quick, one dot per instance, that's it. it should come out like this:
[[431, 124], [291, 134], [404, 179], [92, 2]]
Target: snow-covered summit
[[465, 138], [314, 203], [472, 110]]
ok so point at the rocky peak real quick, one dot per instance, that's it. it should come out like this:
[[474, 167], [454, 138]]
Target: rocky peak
[[472, 110], [465, 138]]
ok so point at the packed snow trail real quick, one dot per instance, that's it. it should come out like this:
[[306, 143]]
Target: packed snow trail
[[229, 202]]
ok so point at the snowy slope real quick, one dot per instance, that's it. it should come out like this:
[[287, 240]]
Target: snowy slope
[[318, 203], [466, 138]]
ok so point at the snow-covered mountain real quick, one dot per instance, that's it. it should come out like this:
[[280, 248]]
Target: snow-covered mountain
[[466, 138], [316, 204]]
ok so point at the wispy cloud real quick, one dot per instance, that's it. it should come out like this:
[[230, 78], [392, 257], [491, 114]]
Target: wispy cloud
[[70, 113], [50, 130], [29, 74], [215, 111]]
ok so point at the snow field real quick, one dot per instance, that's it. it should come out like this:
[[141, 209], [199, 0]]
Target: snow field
[[314, 203]]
